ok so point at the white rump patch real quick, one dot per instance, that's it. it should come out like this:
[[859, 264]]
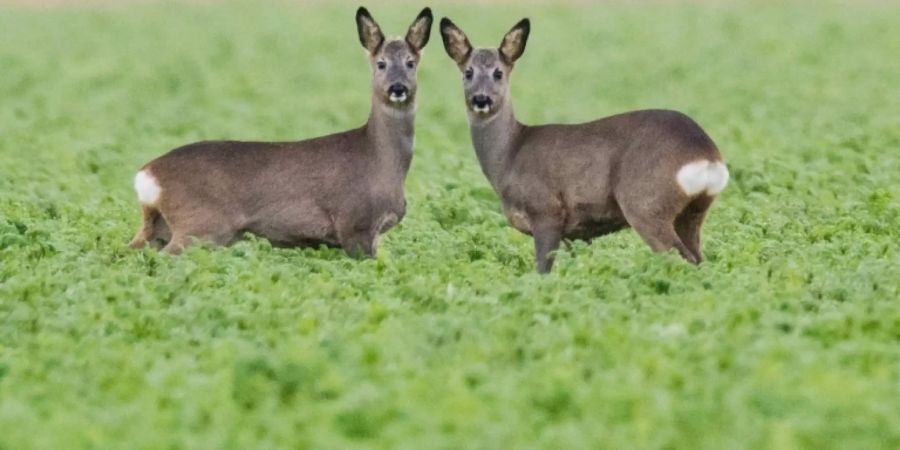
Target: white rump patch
[[147, 187], [702, 176]]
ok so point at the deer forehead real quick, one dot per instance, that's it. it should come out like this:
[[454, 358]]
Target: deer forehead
[[396, 48], [485, 57]]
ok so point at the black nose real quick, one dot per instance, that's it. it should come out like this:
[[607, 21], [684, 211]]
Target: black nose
[[398, 89], [481, 101]]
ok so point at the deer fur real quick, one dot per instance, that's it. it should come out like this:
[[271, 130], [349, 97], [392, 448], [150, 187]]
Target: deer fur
[[656, 171], [338, 190]]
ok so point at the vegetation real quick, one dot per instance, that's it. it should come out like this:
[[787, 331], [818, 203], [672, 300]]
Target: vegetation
[[788, 337]]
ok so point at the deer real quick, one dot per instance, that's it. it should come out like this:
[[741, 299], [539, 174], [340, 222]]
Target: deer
[[655, 171], [341, 190]]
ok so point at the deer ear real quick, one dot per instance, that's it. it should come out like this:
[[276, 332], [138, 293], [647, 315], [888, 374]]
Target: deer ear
[[420, 30], [455, 42], [513, 44], [370, 35]]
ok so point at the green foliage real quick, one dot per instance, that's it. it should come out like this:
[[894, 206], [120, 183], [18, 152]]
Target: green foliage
[[788, 337]]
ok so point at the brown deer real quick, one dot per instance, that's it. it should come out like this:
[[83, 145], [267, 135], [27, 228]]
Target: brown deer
[[655, 170], [338, 190]]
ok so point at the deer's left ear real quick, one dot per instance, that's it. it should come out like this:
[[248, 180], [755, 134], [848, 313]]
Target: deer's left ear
[[455, 42], [513, 44], [420, 30], [370, 35]]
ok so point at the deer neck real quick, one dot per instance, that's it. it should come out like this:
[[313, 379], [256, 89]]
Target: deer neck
[[392, 133], [495, 139]]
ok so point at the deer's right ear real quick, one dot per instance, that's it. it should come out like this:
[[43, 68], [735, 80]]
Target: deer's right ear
[[370, 35], [455, 42]]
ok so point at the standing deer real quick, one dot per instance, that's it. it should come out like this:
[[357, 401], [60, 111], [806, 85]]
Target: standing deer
[[338, 190], [656, 171]]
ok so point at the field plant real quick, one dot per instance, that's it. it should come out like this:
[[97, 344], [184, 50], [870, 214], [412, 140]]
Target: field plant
[[787, 337]]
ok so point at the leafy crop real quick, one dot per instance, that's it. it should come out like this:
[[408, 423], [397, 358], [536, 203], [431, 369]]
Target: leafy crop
[[787, 337]]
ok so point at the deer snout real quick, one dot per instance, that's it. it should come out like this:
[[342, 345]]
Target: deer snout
[[398, 92], [482, 100], [482, 103]]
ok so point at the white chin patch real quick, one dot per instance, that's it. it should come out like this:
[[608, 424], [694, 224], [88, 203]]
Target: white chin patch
[[481, 109], [397, 98]]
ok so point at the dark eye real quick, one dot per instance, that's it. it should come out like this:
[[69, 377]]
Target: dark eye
[[410, 64], [469, 73], [381, 65], [498, 74]]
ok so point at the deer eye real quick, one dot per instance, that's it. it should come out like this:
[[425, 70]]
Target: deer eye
[[410, 64], [469, 73], [498, 74], [381, 65]]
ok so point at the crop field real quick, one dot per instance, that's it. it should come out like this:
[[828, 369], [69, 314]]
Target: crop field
[[787, 337]]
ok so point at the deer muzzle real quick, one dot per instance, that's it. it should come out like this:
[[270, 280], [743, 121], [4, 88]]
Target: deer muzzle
[[398, 93]]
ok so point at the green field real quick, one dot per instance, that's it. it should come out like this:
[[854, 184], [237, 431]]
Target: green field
[[788, 337]]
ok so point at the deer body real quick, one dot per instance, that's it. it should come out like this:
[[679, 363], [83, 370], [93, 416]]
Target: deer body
[[579, 175], [656, 171], [340, 190]]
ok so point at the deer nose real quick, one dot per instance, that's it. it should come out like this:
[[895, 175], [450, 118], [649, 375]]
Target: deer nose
[[398, 90], [482, 101]]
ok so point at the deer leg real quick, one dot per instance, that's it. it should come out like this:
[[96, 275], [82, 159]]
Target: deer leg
[[161, 232], [661, 237], [358, 239], [359, 245], [658, 232], [149, 215], [212, 230], [547, 236], [177, 244], [180, 241], [689, 223]]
